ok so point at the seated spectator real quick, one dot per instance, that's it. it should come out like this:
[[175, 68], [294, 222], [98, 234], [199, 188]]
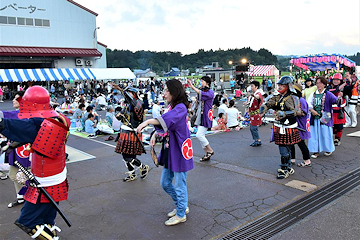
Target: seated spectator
[[223, 107], [221, 123], [100, 102], [84, 117], [116, 124], [90, 125], [110, 115], [232, 115], [65, 107], [78, 112]]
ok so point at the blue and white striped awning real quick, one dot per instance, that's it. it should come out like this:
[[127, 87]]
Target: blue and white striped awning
[[45, 74]]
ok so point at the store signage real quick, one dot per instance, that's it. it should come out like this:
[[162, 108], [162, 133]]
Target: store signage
[[16, 7]]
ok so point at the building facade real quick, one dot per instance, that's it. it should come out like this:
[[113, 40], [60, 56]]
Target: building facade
[[49, 34]]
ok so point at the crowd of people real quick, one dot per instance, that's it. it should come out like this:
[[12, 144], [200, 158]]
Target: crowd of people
[[311, 114]]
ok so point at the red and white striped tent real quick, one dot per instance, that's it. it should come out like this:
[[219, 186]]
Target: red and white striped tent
[[263, 70]]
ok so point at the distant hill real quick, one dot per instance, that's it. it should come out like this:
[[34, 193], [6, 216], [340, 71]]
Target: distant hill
[[163, 61]]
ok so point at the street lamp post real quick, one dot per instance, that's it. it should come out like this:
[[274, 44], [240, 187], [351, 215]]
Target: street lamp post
[[95, 37]]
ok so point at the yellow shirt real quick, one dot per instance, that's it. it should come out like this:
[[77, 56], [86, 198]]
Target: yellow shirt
[[308, 91]]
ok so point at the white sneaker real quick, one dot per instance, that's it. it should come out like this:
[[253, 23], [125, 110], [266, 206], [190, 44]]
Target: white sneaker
[[91, 136], [353, 126], [173, 212], [175, 220]]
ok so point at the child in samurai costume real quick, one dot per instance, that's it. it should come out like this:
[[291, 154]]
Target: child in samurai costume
[[47, 132], [127, 143], [287, 106]]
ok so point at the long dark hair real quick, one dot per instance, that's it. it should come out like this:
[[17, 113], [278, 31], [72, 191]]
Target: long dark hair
[[177, 91]]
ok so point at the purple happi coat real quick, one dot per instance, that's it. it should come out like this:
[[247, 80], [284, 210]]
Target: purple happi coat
[[330, 99], [207, 97], [20, 154], [304, 121], [180, 152]]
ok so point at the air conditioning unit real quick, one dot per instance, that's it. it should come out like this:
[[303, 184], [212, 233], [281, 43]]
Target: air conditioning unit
[[79, 62], [88, 63]]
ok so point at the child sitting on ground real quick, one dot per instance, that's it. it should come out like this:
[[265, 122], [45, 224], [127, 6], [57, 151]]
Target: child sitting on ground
[[221, 123], [90, 126]]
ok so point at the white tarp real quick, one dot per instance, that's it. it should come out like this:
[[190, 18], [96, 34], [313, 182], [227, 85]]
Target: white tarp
[[113, 73]]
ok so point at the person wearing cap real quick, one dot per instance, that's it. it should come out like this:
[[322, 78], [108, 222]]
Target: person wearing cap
[[321, 119], [303, 120], [204, 114], [309, 88], [336, 87], [47, 131], [285, 132]]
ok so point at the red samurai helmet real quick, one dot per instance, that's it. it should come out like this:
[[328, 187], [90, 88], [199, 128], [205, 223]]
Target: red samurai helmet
[[36, 103]]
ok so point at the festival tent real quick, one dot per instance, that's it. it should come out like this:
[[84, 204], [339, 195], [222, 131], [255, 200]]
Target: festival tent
[[321, 61], [113, 73], [263, 70], [56, 74]]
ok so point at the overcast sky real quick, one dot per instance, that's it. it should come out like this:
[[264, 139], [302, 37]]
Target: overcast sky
[[284, 27]]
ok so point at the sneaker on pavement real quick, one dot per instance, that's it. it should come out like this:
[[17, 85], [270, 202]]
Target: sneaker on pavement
[[291, 171], [91, 136], [175, 220], [173, 212], [144, 171], [17, 202], [336, 142], [282, 174]]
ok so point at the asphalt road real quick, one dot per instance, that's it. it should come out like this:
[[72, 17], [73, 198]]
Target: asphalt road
[[237, 186]]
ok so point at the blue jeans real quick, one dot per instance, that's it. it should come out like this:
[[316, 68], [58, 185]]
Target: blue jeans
[[254, 132], [177, 192], [285, 151], [153, 96]]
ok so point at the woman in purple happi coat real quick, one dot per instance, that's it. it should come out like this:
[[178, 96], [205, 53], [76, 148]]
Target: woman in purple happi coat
[[21, 154], [303, 121], [177, 153], [204, 114], [321, 121]]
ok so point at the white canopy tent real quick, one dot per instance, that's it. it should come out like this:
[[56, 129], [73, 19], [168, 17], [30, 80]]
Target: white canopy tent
[[113, 73]]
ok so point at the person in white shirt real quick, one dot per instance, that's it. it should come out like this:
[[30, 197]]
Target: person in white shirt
[[232, 115], [223, 107], [156, 109], [100, 102]]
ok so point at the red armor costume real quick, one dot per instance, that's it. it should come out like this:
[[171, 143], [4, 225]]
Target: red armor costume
[[48, 149], [254, 105], [338, 111], [47, 131]]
